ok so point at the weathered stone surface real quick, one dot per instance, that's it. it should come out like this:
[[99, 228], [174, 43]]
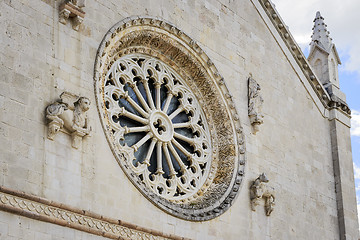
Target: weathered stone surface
[[40, 58], [121, 62]]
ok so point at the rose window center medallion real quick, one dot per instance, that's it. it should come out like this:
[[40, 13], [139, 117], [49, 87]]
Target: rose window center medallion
[[169, 118], [157, 120]]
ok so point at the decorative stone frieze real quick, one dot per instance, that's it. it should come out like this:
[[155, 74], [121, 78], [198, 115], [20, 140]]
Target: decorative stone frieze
[[169, 118], [56, 213], [255, 102], [69, 116], [72, 9], [339, 104], [259, 190]]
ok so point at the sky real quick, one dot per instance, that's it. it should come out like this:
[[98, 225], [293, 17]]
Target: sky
[[342, 19]]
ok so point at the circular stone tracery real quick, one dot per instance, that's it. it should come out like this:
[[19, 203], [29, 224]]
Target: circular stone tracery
[[141, 63], [155, 118], [161, 126]]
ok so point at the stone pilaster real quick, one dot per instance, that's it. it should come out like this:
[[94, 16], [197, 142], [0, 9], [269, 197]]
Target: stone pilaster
[[344, 175]]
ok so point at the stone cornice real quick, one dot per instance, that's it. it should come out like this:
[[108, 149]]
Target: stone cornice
[[42, 209], [301, 60]]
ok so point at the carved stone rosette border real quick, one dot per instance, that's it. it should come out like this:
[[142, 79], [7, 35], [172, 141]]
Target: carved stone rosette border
[[48, 211], [162, 40]]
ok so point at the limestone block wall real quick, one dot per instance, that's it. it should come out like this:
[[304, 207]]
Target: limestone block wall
[[17, 227], [40, 58]]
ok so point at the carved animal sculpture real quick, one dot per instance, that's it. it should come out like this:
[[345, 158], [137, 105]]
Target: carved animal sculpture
[[77, 120], [259, 190], [69, 116]]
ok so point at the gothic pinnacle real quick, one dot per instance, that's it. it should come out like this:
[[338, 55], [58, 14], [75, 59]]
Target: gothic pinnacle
[[320, 34]]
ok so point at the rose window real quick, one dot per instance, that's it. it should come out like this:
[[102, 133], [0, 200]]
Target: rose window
[[157, 121], [169, 118]]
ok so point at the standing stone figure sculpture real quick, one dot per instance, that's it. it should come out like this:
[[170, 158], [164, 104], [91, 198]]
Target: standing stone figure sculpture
[[255, 104], [259, 190], [69, 115]]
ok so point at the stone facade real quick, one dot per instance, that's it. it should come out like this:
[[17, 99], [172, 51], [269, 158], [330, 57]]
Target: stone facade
[[50, 189]]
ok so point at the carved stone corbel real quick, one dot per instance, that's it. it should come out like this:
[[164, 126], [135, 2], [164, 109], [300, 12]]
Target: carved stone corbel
[[69, 116], [77, 22], [64, 15], [259, 190], [72, 9], [255, 102]]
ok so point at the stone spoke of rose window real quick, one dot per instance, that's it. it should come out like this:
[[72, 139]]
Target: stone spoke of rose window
[[158, 102]]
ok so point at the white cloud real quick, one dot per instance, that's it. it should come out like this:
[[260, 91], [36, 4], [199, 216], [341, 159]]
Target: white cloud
[[356, 172], [342, 19], [355, 123], [303, 40]]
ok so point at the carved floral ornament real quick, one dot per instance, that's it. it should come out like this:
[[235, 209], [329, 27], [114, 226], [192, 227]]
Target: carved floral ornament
[[169, 118]]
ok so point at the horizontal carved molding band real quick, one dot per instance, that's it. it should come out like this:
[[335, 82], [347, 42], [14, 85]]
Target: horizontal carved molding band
[[48, 211]]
